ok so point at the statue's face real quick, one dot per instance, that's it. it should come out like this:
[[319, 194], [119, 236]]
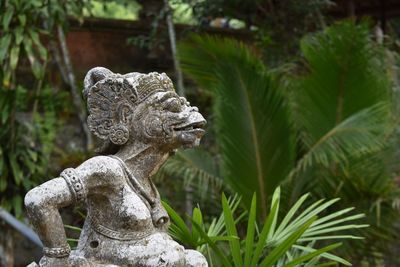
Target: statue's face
[[168, 121]]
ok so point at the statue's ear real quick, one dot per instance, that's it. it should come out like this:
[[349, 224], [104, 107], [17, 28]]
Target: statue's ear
[[124, 110], [93, 76]]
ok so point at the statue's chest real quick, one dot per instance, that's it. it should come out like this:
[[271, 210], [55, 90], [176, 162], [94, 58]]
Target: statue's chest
[[132, 210], [120, 214]]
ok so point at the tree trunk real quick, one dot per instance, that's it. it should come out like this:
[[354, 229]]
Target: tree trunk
[[55, 51], [181, 91], [351, 9], [172, 39], [69, 73]]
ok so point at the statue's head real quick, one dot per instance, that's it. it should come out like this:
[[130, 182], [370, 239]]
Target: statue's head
[[136, 107]]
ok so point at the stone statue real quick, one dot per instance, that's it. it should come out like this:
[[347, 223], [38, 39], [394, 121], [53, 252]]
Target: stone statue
[[140, 120]]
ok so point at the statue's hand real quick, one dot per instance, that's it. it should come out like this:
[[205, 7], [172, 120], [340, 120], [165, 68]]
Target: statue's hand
[[54, 262]]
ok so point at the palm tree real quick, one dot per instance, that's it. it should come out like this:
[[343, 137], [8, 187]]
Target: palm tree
[[324, 127], [252, 123], [342, 114]]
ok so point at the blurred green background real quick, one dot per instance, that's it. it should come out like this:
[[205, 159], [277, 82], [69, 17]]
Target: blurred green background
[[300, 97]]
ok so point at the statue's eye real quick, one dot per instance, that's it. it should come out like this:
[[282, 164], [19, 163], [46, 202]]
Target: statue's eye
[[184, 101], [173, 105]]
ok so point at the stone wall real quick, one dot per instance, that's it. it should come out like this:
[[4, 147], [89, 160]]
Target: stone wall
[[101, 42]]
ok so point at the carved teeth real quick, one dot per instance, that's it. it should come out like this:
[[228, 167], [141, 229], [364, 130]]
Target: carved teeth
[[187, 127], [196, 125]]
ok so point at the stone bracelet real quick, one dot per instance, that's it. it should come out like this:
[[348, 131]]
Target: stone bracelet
[[59, 252], [74, 183]]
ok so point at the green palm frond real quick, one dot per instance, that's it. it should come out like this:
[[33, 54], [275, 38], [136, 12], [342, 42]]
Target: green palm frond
[[368, 184], [191, 237], [197, 167], [294, 240], [360, 134], [334, 100], [252, 122], [341, 109]]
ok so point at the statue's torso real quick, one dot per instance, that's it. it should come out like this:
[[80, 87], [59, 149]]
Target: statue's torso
[[120, 208], [119, 217]]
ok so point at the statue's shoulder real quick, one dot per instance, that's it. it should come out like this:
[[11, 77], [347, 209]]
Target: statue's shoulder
[[100, 167]]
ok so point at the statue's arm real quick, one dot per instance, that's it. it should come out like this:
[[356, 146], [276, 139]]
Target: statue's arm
[[42, 204]]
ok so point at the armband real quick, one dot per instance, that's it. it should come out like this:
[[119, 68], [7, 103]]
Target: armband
[[59, 252], [74, 183]]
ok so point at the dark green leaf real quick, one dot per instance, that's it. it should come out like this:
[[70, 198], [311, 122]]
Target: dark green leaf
[[22, 19], [184, 231], [197, 218], [311, 255], [7, 17], [231, 230], [4, 46], [251, 115], [14, 57], [38, 45], [35, 64], [19, 35], [212, 244], [249, 243], [17, 205], [262, 239], [281, 249]]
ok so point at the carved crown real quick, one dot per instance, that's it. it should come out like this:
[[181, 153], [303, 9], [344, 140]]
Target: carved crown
[[107, 97], [152, 82]]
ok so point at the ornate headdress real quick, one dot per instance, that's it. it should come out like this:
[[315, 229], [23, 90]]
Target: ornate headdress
[[107, 93]]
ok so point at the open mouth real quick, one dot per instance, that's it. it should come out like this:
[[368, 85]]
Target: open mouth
[[193, 127]]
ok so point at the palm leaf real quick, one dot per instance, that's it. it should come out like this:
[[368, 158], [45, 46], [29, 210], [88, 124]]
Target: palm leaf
[[197, 167], [215, 231], [249, 243], [340, 106], [312, 255], [283, 247], [324, 255], [231, 230], [360, 134], [252, 123], [341, 110]]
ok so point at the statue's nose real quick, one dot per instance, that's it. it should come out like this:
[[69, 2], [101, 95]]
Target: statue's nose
[[194, 108]]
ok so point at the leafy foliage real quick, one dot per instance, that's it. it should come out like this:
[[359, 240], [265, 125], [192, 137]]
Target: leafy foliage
[[251, 115], [26, 142], [361, 133], [342, 63], [192, 237], [27, 125], [117, 9], [19, 32], [197, 167], [340, 111], [347, 91], [291, 242], [274, 34]]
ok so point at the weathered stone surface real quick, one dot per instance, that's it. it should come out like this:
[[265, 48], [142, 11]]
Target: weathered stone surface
[[140, 120]]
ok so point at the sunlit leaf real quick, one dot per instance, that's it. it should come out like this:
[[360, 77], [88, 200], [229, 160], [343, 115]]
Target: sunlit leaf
[[14, 56]]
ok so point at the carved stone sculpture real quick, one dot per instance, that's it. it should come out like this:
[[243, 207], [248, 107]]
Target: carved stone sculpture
[[140, 120]]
